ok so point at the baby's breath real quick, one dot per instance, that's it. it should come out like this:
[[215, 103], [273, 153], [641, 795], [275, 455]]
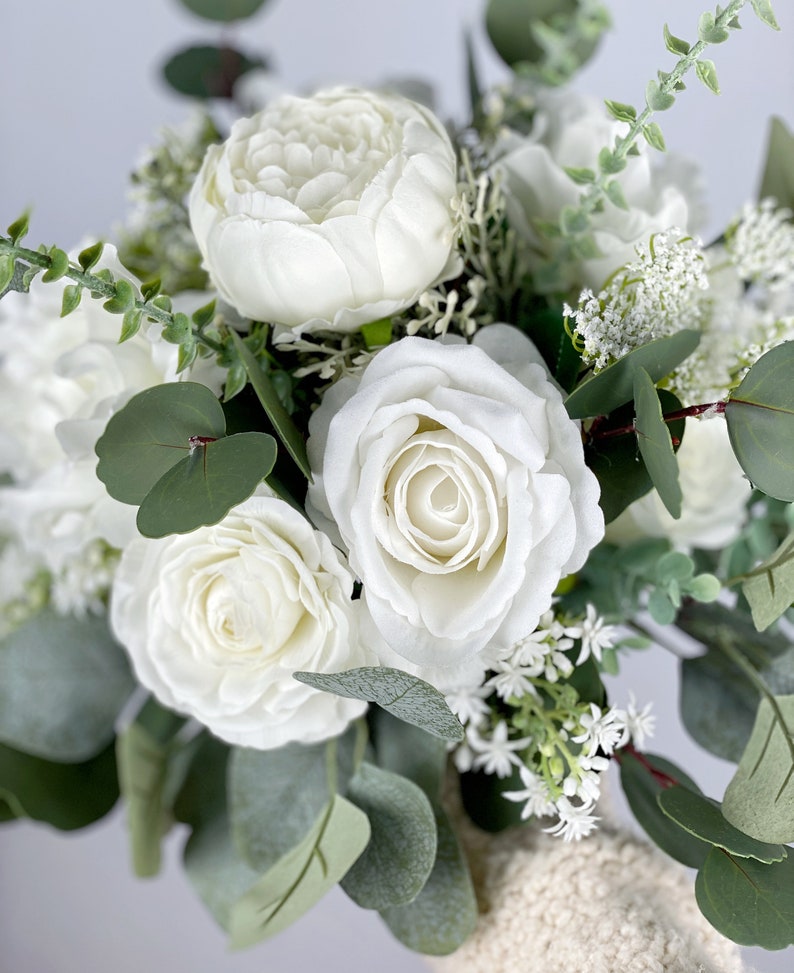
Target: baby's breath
[[760, 243]]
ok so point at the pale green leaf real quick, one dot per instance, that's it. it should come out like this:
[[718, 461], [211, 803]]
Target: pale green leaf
[[769, 588], [657, 99], [763, 10], [652, 134], [410, 752], [620, 111], [675, 44], [778, 178], [707, 72]]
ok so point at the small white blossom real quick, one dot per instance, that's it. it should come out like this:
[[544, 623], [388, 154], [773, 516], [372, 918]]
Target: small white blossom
[[468, 703], [497, 754], [575, 821], [602, 731], [761, 244], [535, 795], [595, 635], [640, 723]]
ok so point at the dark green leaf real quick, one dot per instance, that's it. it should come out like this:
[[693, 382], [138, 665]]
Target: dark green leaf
[[151, 288], [614, 386], [89, 257], [208, 72], [485, 803], [204, 315], [404, 696], [760, 414], [760, 798], [401, 852], [223, 10], [655, 443], [749, 902], [59, 264], [131, 323], [71, 298], [769, 588], [703, 818], [642, 790], [63, 681], [303, 876], [19, 228], [778, 178], [123, 300]]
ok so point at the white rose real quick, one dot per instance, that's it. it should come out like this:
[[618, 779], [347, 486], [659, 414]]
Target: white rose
[[217, 621], [459, 489], [569, 130], [328, 212], [715, 494]]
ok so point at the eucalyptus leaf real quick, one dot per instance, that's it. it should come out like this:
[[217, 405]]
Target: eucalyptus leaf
[[223, 10], [760, 798], [303, 876], [655, 443], [444, 914], [152, 433], [748, 901], [203, 487], [643, 777], [399, 693], [612, 387], [778, 177], [205, 71], [760, 415], [63, 681], [769, 588], [703, 818], [410, 752], [66, 796], [402, 848]]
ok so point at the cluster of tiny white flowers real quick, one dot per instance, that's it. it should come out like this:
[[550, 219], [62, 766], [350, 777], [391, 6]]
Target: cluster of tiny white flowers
[[595, 635], [81, 587], [538, 656], [761, 244], [652, 297]]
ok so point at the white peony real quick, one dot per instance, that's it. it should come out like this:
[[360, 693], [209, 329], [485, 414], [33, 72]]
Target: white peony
[[328, 212], [569, 130], [459, 489], [217, 621], [715, 494]]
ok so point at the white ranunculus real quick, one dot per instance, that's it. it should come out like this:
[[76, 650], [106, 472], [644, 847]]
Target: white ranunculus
[[217, 621], [328, 212], [459, 489], [569, 130], [715, 494]]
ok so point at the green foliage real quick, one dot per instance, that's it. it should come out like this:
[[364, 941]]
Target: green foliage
[[582, 177], [123, 299], [410, 752], [778, 178], [760, 415], [89, 257], [707, 73], [610, 162], [66, 796], [769, 587], [7, 268], [377, 334], [709, 31], [653, 136], [748, 901], [405, 696], [675, 579], [63, 681], [656, 98], [760, 798], [59, 264], [303, 876], [621, 112], [485, 803], [674, 44], [643, 777], [224, 11], [614, 193], [655, 443], [19, 228], [763, 10], [206, 71], [72, 294], [401, 852]]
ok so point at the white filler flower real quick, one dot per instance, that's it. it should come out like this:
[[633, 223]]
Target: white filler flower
[[459, 488], [217, 621], [328, 212]]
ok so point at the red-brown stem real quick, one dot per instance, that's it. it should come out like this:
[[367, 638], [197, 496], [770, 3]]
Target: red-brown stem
[[692, 410], [661, 778]]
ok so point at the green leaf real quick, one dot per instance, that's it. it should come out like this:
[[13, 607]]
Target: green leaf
[[769, 587], [401, 852], [124, 298], [620, 111], [377, 334], [89, 257], [151, 288], [472, 76], [614, 192], [152, 433], [661, 608], [656, 99], [612, 387], [204, 315], [444, 914], [760, 798], [610, 162], [655, 443], [131, 323], [403, 695], [178, 330], [7, 266], [223, 10], [652, 134], [707, 72], [303, 876], [71, 298], [703, 818], [763, 10], [65, 795], [410, 752], [778, 177], [760, 415], [286, 429], [204, 486], [485, 803], [573, 221], [674, 44], [709, 31], [582, 177], [143, 752], [19, 228], [208, 72], [59, 264], [747, 901], [63, 681]]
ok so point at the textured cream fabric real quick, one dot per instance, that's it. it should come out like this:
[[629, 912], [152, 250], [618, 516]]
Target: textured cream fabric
[[608, 904]]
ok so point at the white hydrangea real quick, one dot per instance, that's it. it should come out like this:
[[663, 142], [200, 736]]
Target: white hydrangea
[[761, 244]]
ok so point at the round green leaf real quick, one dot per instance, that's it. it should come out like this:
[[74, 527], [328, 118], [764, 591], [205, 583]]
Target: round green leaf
[[223, 10], [208, 72], [760, 415], [152, 433], [63, 681], [203, 487]]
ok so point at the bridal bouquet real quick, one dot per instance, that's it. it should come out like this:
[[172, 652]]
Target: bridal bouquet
[[342, 480]]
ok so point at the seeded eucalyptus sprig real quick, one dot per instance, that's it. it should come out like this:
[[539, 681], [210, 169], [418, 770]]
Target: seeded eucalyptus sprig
[[660, 95], [19, 265]]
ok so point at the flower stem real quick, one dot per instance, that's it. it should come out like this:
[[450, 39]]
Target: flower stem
[[596, 432]]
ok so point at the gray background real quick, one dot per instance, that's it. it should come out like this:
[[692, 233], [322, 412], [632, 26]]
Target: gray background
[[79, 98]]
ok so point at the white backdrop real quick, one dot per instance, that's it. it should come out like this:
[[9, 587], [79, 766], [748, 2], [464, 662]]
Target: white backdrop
[[79, 99]]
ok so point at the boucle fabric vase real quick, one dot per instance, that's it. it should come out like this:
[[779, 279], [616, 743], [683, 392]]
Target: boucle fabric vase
[[610, 903]]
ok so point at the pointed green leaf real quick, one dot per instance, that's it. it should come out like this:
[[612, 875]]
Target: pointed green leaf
[[620, 111], [703, 818], [401, 852], [656, 99], [778, 178], [653, 136], [63, 682], [749, 902], [131, 323], [151, 288], [59, 264], [404, 696], [124, 298], [89, 257], [655, 443], [609, 161], [7, 267], [612, 387], [614, 192], [769, 588], [286, 429], [19, 228], [204, 315], [302, 877], [674, 44], [223, 10], [760, 798], [205, 71], [71, 298], [707, 72], [760, 414], [709, 31], [582, 177], [763, 10]]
